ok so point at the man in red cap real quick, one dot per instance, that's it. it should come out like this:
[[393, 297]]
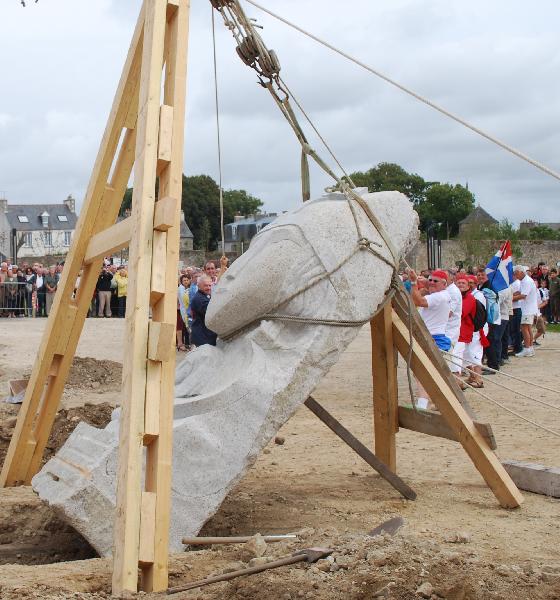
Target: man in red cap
[[435, 309]]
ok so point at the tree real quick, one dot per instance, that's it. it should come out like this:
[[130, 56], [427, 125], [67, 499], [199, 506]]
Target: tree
[[389, 177], [239, 202], [446, 205], [126, 203], [201, 203], [539, 232]]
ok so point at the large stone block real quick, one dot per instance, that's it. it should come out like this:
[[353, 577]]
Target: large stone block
[[231, 399]]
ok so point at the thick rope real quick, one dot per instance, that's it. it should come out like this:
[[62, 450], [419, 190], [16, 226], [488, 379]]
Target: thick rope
[[218, 134], [418, 97], [510, 376], [501, 385], [502, 406]]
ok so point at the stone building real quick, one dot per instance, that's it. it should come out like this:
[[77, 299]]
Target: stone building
[[525, 225], [36, 230], [239, 234], [478, 217]]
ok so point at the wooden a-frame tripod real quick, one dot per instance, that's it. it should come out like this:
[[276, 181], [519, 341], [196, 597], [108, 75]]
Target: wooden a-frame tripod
[[145, 131]]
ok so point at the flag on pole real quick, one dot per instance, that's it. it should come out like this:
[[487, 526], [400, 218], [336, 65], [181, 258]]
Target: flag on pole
[[500, 268]]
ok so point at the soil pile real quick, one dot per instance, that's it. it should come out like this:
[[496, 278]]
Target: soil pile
[[65, 422]]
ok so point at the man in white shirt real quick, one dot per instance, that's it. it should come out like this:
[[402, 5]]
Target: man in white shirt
[[527, 298], [435, 310], [454, 321]]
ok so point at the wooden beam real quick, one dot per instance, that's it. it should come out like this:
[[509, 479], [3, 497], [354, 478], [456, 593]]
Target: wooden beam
[[159, 253], [161, 339], [362, 451], [164, 217], [432, 423], [146, 550], [108, 241], [423, 338], [535, 478], [456, 417], [130, 465], [385, 389], [165, 136], [158, 453]]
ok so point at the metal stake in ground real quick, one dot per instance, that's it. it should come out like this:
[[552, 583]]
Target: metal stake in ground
[[309, 555]]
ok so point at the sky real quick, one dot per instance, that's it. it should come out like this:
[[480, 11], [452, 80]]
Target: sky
[[495, 64]]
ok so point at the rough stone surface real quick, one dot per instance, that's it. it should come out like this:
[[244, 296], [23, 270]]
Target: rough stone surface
[[232, 399]]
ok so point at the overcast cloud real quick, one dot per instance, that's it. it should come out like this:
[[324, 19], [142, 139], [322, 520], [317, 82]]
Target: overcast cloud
[[494, 63]]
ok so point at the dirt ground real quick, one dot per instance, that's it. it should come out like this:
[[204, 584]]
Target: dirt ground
[[456, 542]]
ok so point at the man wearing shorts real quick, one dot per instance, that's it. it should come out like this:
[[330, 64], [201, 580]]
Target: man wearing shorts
[[527, 297], [435, 310]]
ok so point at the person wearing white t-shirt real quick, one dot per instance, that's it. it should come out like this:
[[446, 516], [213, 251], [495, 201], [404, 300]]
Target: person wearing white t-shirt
[[435, 310], [527, 298], [454, 321], [515, 324]]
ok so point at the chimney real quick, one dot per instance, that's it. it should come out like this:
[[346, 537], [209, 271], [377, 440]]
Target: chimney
[[3, 204], [183, 216], [238, 217], [70, 203]]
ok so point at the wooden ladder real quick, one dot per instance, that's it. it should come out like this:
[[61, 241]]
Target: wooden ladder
[[145, 130]]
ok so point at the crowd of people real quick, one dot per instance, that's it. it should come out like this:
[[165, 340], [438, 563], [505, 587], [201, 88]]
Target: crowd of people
[[479, 325]]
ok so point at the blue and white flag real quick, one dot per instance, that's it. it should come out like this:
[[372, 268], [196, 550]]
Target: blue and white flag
[[500, 268]]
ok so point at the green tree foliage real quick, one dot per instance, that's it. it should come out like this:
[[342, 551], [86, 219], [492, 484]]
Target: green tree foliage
[[389, 177], [201, 203], [446, 204], [539, 232], [239, 202]]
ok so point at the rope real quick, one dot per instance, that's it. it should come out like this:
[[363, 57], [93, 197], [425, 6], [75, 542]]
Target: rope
[[317, 132], [415, 95], [537, 385], [218, 134], [501, 385], [538, 425]]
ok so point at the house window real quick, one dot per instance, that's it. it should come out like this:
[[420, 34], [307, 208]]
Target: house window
[[23, 219], [67, 237], [48, 238], [27, 240], [63, 218]]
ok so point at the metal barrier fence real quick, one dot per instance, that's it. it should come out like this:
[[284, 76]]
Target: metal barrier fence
[[19, 299]]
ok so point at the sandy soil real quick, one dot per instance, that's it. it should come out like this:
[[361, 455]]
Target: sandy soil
[[314, 484]]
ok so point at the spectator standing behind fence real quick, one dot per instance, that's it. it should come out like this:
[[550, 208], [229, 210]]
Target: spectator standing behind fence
[[51, 285], [21, 293], [121, 279], [554, 295], [31, 281], [3, 295], [104, 292], [527, 297], [41, 292], [10, 293]]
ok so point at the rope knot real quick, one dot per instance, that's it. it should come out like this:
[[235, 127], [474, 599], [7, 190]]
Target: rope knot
[[364, 244]]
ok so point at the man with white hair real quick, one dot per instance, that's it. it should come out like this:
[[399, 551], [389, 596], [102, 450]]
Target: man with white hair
[[527, 298], [200, 334]]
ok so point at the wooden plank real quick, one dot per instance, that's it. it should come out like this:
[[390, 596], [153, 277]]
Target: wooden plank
[[161, 338], [458, 420], [146, 548], [424, 339], [362, 451], [129, 474], [153, 401], [164, 217], [165, 141], [108, 241], [385, 389], [432, 423], [15, 469], [535, 478], [158, 281], [158, 454]]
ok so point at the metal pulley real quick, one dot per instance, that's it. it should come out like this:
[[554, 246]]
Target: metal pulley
[[269, 64], [248, 51]]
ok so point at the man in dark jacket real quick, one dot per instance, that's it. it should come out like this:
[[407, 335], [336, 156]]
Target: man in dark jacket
[[200, 333], [104, 292]]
